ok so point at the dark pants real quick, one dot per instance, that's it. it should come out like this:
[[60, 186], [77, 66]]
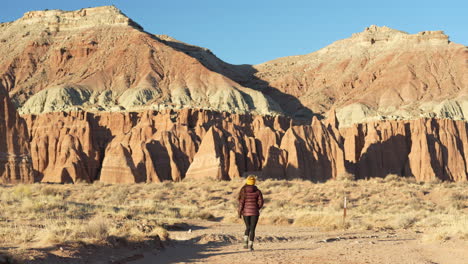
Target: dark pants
[[250, 225]]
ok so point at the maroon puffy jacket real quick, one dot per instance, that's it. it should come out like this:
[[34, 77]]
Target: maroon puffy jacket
[[250, 200]]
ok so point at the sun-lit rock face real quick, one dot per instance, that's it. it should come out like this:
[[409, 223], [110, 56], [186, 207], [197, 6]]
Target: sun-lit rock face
[[149, 146], [98, 59], [427, 149], [58, 20], [102, 100], [380, 73], [62, 148], [172, 145], [15, 158], [307, 152]]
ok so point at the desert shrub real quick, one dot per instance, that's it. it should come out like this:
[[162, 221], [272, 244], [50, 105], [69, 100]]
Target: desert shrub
[[459, 205], [459, 201], [205, 216], [392, 178], [414, 204], [276, 220], [44, 205], [23, 234], [57, 231], [161, 232], [405, 221], [51, 191], [118, 196], [431, 221], [436, 235], [277, 204], [410, 180], [346, 176], [457, 228], [22, 191], [337, 204], [435, 181], [458, 197], [326, 221], [67, 213], [97, 228]]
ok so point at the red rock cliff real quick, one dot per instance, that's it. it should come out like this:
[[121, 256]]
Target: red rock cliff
[[15, 160], [427, 149], [172, 145]]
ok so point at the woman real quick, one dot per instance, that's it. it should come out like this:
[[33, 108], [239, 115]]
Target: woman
[[250, 203]]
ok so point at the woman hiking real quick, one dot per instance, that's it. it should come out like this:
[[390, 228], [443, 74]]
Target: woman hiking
[[250, 203]]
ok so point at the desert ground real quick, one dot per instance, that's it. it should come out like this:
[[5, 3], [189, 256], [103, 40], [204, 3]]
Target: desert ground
[[389, 220]]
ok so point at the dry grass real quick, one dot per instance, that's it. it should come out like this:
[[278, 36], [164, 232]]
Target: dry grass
[[92, 213]]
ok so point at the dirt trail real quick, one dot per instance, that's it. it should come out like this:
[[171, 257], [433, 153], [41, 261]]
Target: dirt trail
[[210, 242]]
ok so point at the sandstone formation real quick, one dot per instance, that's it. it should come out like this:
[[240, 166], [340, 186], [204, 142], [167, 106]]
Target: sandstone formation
[[427, 149], [439, 150], [144, 147], [378, 73], [172, 145], [99, 60], [62, 147], [157, 146], [307, 152], [103, 100], [15, 159]]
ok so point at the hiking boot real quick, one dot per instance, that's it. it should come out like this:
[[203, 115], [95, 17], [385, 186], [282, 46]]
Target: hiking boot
[[251, 246], [246, 242]]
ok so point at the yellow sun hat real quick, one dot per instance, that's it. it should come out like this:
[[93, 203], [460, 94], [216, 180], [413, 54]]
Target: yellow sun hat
[[250, 180]]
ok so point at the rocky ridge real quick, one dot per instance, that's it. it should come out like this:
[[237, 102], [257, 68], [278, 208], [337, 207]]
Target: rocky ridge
[[97, 59], [59, 20], [380, 73]]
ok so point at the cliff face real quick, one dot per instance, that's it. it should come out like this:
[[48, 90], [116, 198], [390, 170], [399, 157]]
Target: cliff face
[[148, 146], [426, 149], [59, 20], [172, 145], [15, 159], [62, 148]]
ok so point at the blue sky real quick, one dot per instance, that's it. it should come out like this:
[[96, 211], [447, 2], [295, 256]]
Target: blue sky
[[255, 31]]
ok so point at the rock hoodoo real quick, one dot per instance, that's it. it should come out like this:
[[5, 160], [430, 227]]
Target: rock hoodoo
[[427, 149], [15, 158], [172, 145]]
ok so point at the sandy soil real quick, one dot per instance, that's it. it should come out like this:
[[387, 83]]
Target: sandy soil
[[214, 242], [220, 243]]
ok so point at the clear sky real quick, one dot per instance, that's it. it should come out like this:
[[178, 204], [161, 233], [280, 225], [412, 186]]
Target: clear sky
[[255, 31]]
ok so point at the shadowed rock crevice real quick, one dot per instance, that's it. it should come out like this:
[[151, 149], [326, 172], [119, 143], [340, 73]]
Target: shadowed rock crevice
[[384, 158]]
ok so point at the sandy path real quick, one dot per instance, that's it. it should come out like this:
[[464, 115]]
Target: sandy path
[[219, 243]]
